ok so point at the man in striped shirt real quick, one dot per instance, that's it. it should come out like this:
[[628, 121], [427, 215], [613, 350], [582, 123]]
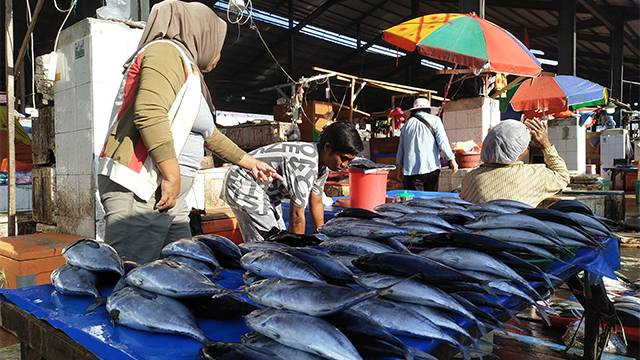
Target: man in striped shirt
[[503, 175]]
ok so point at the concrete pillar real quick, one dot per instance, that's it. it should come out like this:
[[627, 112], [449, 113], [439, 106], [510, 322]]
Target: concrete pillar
[[476, 6], [567, 38]]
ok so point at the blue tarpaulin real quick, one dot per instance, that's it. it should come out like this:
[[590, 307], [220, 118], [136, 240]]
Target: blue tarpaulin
[[96, 332]]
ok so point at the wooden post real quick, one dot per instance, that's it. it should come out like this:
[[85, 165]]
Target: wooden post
[[23, 47], [352, 100], [11, 125]]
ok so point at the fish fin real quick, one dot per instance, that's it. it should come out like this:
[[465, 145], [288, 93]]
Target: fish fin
[[388, 290], [95, 304]]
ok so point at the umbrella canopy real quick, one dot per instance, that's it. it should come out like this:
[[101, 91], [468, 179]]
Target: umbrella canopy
[[465, 39], [558, 93]]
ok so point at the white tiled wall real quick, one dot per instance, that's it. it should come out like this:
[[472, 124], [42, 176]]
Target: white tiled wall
[[91, 54], [613, 145], [569, 139], [470, 119]]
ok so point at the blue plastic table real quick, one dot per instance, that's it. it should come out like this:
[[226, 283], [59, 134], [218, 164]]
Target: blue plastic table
[[96, 333]]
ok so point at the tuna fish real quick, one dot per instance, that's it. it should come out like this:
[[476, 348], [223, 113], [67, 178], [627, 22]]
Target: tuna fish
[[457, 216], [425, 268], [169, 278], [199, 266], [434, 220], [327, 266], [315, 299], [142, 310], [481, 243], [400, 320], [426, 203], [278, 264], [371, 339], [192, 249], [249, 278], [396, 207], [235, 351], [510, 204], [508, 288], [303, 332], [490, 209], [520, 236], [355, 246], [438, 317], [93, 255], [422, 228], [75, 281], [590, 223], [511, 221], [452, 200], [227, 253], [465, 259], [256, 340], [412, 291], [361, 229]]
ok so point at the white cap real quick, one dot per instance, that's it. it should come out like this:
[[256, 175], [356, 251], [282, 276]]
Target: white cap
[[421, 103]]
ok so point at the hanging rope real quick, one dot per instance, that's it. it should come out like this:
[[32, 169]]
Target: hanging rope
[[446, 92]]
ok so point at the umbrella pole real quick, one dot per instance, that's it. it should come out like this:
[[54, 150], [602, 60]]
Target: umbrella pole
[[352, 100]]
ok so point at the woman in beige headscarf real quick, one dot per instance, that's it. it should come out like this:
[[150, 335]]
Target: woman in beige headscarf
[[162, 117]]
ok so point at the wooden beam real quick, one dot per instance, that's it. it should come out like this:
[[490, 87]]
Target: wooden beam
[[352, 99], [11, 121], [23, 47], [372, 81]]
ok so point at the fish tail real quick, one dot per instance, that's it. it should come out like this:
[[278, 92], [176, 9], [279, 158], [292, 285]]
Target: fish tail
[[98, 302]]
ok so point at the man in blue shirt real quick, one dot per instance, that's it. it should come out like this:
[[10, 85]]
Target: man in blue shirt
[[422, 139]]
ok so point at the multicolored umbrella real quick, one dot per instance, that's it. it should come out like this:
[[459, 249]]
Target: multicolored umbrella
[[558, 93], [467, 40]]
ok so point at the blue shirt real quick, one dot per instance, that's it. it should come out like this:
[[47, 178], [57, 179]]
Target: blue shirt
[[418, 151]]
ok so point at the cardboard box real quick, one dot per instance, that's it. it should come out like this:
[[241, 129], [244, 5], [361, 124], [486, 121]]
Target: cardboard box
[[28, 260]]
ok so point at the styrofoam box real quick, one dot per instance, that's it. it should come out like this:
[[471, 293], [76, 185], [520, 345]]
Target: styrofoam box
[[23, 197]]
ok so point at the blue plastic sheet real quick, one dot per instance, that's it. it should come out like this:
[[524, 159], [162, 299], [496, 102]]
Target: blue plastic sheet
[[96, 333]]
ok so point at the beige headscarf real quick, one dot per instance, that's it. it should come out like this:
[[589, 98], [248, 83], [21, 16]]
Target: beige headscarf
[[194, 26]]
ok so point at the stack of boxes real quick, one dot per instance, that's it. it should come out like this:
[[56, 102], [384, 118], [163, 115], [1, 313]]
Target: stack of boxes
[[569, 139], [613, 145], [89, 71]]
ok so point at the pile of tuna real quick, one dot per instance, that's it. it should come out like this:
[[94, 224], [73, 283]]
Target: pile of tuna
[[430, 269], [422, 269]]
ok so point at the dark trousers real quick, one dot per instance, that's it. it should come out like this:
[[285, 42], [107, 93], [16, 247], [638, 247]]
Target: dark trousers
[[429, 181]]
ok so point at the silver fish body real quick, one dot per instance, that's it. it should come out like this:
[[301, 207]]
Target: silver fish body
[[512, 221], [354, 245], [303, 332], [199, 266], [93, 255], [71, 280], [315, 299], [434, 220], [278, 264], [365, 229], [142, 310], [192, 249], [169, 278]]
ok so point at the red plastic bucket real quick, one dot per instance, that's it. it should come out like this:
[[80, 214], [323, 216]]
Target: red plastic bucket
[[367, 190]]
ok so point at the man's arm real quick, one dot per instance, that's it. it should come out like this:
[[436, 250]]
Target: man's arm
[[317, 210], [296, 219]]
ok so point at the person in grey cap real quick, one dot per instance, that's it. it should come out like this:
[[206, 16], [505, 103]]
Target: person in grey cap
[[503, 175], [422, 139]]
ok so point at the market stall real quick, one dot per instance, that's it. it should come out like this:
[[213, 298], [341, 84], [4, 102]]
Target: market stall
[[96, 333]]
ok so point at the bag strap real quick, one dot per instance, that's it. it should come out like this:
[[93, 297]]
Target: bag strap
[[426, 123]]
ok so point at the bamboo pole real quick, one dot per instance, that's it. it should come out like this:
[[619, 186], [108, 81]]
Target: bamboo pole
[[11, 193], [417, 89]]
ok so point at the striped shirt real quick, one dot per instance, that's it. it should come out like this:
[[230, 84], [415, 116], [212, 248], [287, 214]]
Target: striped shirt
[[528, 183]]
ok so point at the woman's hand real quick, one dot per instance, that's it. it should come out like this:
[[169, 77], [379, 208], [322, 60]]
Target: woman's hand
[[261, 171], [453, 164], [539, 132], [170, 185]]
